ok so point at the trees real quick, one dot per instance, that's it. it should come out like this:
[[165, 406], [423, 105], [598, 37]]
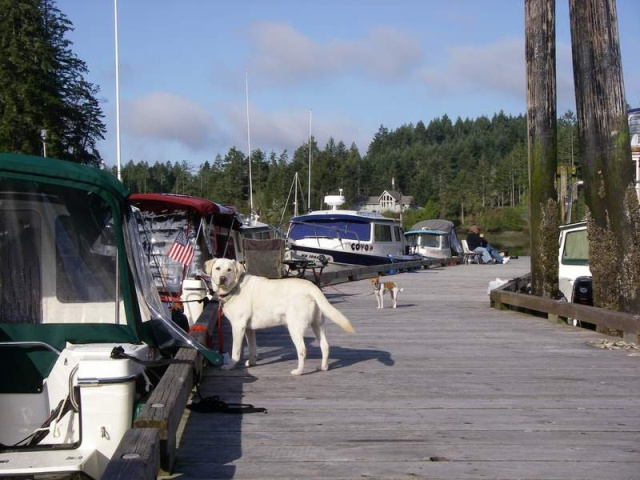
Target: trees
[[42, 86], [460, 170]]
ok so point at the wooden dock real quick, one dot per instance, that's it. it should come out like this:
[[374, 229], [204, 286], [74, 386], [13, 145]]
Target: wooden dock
[[443, 387]]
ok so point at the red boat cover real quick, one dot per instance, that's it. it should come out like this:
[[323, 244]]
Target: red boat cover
[[159, 202]]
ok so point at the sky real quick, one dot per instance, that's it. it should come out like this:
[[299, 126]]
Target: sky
[[198, 77]]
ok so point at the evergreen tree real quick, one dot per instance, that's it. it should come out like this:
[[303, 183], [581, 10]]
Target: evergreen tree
[[42, 86]]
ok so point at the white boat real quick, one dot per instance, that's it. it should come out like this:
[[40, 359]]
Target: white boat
[[347, 236], [252, 228], [434, 239], [80, 319]]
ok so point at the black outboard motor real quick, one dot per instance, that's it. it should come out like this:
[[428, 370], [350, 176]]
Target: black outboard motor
[[583, 294], [583, 291]]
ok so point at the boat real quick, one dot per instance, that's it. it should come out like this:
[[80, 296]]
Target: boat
[[82, 327], [347, 236], [181, 232], [434, 239], [252, 228]]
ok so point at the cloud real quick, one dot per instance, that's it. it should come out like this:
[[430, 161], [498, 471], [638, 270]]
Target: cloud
[[166, 117], [498, 67], [283, 54], [289, 129], [163, 126]]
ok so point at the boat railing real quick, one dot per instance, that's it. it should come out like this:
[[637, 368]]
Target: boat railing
[[29, 344]]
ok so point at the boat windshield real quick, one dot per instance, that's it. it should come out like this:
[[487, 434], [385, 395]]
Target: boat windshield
[[57, 255], [331, 229], [427, 240]]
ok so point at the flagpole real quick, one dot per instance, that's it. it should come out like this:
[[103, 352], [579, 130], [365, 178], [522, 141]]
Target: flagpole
[[246, 77], [118, 147]]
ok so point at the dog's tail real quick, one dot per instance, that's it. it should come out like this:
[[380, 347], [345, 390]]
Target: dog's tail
[[331, 312]]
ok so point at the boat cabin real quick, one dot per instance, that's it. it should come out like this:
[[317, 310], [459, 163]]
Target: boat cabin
[[180, 233], [79, 317], [429, 243]]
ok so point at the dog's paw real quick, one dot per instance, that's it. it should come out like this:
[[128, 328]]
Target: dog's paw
[[322, 368], [250, 363], [296, 372]]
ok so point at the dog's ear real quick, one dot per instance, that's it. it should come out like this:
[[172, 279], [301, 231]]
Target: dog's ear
[[239, 268], [208, 266]]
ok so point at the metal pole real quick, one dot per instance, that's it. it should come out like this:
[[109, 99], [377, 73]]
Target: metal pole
[[43, 136], [309, 192], [118, 147], [246, 82]]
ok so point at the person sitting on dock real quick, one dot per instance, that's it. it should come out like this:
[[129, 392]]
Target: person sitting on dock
[[478, 244]]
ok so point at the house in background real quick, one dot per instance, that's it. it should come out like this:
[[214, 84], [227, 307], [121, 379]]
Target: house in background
[[389, 201]]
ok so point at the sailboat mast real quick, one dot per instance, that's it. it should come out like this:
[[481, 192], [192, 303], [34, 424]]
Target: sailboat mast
[[295, 196], [249, 146], [309, 192]]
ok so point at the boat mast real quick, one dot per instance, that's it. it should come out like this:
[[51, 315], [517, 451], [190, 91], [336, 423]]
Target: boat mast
[[295, 195], [251, 215], [118, 148], [309, 192]]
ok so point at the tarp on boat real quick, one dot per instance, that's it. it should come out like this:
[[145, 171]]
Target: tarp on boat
[[159, 202], [72, 259], [446, 226]]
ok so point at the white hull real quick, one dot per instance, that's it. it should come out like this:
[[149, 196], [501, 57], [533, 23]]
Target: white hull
[[104, 389], [347, 236]]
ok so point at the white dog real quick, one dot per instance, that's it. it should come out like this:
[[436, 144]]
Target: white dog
[[251, 303], [380, 288]]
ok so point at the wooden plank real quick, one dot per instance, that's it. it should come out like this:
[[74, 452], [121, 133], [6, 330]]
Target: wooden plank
[[624, 322], [441, 387], [137, 456], [166, 404]]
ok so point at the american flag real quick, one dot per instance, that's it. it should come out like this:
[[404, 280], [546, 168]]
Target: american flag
[[181, 250]]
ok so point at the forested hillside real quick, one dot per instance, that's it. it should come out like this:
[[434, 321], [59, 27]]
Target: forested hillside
[[454, 170]]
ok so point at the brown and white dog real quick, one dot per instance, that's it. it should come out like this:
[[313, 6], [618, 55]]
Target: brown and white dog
[[251, 303], [380, 288]]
